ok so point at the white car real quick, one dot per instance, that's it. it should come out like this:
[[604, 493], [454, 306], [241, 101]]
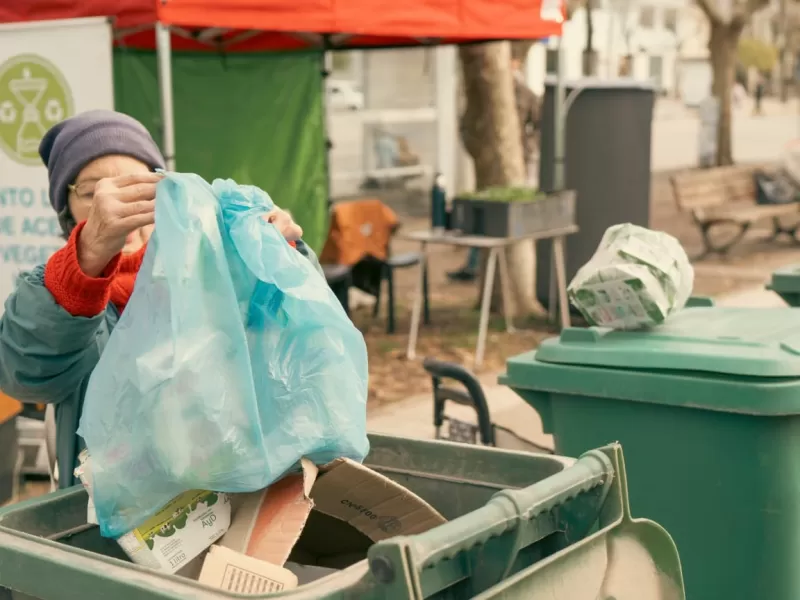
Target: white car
[[343, 95]]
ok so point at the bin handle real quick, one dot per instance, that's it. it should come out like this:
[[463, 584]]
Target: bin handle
[[508, 510]]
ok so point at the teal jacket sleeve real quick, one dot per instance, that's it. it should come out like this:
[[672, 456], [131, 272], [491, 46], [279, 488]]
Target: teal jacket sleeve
[[45, 353]]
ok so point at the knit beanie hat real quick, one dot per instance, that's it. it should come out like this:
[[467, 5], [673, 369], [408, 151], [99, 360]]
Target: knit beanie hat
[[75, 142]]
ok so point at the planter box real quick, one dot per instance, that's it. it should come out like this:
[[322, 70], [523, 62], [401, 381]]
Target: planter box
[[495, 218]]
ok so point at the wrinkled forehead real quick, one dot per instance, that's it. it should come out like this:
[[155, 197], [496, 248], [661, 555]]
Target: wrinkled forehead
[[110, 166]]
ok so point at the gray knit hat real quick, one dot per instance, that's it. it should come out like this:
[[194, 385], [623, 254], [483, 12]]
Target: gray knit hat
[[75, 142]]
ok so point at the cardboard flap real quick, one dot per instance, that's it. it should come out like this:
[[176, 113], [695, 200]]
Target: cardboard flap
[[371, 503], [355, 505], [267, 524]]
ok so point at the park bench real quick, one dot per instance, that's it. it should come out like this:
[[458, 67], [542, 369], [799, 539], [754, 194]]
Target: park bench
[[722, 203]]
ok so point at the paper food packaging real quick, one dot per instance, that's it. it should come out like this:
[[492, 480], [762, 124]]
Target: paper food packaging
[[326, 517], [635, 279], [174, 536], [234, 572]]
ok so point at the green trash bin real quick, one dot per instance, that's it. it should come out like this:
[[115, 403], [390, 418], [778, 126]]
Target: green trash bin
[[707, 407], [786, 283], [519, 522]]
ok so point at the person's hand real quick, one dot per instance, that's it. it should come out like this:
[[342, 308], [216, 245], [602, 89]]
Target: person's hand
[[284, 223], [121, 205]]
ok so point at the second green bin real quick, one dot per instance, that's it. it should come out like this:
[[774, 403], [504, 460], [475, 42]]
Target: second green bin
[[707, 408], [786, 283]]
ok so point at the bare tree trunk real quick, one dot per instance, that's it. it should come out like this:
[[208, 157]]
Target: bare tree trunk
[[491, 134], [722, 46], [520, 49]]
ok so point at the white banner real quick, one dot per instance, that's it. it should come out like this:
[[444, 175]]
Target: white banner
[[49, 70]]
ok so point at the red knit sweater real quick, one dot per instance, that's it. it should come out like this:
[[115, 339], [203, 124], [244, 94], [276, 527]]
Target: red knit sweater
[[84, 296]]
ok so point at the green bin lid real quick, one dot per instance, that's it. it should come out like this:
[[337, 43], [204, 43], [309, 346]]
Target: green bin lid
[[786, 279], [754, 342]]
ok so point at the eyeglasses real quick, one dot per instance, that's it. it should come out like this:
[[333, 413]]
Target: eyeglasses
[[84, 191]]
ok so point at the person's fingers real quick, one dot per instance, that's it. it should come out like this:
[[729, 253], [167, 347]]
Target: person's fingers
[[138, 221], [136, 208], [137, 192], [122, 181]]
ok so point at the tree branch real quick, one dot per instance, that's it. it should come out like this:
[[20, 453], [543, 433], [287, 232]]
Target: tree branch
[[711, 11], [746, 9]]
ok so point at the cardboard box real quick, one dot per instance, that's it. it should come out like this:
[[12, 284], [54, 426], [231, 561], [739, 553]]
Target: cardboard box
[[177, 534], [325, 517], [231, 571], [180, 532]]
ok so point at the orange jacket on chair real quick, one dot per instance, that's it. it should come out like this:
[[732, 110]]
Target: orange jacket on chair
[[359, 228], [8, 407]]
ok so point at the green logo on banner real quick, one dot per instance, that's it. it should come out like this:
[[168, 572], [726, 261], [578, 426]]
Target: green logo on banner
[[33, 97]]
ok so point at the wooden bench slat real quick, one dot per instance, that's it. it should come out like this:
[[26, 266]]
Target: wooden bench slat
[[727, 194], [752, 213]]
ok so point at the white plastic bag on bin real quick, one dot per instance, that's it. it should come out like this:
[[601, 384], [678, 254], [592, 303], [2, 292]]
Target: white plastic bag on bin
[[636, 278], [232, 361]]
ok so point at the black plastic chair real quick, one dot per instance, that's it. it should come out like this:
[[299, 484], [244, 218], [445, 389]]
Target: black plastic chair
[[400, 261], [369, 273], [340, 278], [469, 393]]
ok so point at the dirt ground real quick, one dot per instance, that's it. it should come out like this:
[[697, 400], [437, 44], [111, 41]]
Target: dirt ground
[[454, 317]]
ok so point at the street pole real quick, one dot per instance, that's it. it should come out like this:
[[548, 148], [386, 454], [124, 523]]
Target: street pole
[[559, 116], [783, 41]]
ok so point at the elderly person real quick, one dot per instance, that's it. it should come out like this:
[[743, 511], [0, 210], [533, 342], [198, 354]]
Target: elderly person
[[56, 323]]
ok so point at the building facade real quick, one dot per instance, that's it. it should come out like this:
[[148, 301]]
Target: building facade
[[646, 41]]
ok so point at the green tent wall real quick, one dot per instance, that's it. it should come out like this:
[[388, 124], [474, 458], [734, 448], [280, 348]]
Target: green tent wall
[[256, 118]]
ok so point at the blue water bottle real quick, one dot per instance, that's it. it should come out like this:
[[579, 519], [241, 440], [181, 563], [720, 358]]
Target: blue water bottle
[[438, 204]]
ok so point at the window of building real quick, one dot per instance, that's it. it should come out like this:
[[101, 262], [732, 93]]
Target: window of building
[[625, 66], [657, 71], [551, 62], [671, 20], [647, 17]]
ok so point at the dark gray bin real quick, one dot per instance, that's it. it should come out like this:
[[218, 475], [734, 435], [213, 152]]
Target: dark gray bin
[[494, 218], [9, 455], [607, 163]]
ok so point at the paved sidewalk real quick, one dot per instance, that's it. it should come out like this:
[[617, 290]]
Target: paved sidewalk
[[673, 108], [758, 297], [413, 417]]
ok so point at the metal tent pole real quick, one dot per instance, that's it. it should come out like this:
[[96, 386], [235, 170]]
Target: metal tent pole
[[446, 115], [164, 57], [327, 68], [563, 103], [560, 118]]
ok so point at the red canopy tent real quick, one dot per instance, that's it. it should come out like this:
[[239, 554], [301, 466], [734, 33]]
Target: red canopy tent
[[257, 25], [246, 25]]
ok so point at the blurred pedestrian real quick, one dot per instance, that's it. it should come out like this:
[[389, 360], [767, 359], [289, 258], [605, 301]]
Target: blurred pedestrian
[[528, 111], [759, 94], [739, 95]]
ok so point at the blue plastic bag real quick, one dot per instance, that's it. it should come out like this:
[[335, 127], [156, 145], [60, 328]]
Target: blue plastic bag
[[233, 360]]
